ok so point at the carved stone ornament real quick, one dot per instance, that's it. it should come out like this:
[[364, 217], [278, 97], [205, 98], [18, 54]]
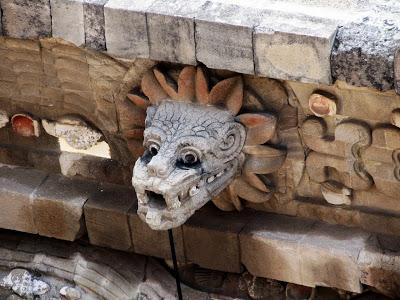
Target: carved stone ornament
[[196, 146]]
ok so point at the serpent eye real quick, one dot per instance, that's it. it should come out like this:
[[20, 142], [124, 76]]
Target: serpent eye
[[153, 149], [189, 158]]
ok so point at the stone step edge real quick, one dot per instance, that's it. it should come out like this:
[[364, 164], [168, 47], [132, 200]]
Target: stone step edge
[[181, 31], [273, 246]]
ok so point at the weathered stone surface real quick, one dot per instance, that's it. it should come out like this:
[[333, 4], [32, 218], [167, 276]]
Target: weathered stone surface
[[269, 241], [93, 12], [171, 30], [106, 217], [397, 72], [154, 242], [328, 256], [58, 207], [292, 47], [307, 253], [26, 19], [68, 20], [224, 36], [211, 239], [17, 186], [379, 263], [363, 54], [126, 29]]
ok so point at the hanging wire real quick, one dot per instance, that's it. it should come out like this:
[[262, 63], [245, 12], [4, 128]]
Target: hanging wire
[[176, 271]]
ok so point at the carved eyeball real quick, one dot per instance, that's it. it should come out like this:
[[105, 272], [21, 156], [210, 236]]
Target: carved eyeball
[[153, 148], [190, 157]]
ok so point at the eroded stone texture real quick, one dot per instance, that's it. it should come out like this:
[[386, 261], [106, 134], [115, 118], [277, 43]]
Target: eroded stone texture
[[224, 36], [58, 207], [154, 242], [17, 186], [93, 12], [171, 24], [106, 217], [68, 20], [363, 54], [298, 48], [307, 253], [126, 31], [397, 71], [211, 239], [26, 19]]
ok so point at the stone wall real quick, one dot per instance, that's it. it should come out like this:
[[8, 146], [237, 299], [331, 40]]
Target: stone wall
[[332, 217]]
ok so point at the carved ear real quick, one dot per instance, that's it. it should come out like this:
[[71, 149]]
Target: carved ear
[[228, 93], [152, 89], [248, 192], [260, 127], [201, 87], [186, 84], [139, 101], [168, 84]]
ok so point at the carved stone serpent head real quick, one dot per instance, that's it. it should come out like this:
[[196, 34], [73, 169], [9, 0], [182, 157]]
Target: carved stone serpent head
[[194, 143]]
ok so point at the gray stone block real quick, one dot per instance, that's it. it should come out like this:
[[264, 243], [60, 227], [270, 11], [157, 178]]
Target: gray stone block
[[68, 21], [294, 48], [397, 71], [93, 12], [363, 53], [26, 19], [106, 217], [17, 186], [224, 36], [171, 30], [58, 207], [126, 28]]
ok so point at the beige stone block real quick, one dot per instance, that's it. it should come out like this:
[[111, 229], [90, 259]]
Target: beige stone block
[[17, 186], [211, 239], [106, 217], [328, 257], [269, 246], [379, 263], [153, 242], [58, 207]]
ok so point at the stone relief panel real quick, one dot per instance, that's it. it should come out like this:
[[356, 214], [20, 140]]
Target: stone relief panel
[[352, 141], [325, 152]]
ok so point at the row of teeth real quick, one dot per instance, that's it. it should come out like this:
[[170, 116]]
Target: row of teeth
[[174, 202]]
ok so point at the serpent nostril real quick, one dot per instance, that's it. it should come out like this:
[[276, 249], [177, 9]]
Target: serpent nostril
[[152, 171]]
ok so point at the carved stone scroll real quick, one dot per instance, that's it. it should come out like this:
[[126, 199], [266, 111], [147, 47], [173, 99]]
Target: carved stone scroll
[[337, 162]]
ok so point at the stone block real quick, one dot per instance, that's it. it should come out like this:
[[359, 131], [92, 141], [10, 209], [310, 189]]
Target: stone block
[[26, 19], [93, 13], [268, 246], [106, 217], [58, 207], [299, 51], [211, 239], [126, 29], [397, 71], [224, 36], [17, 186], [357, 58], [68, 20], [379, 263], [171, 30], [154, 242], [328, 257]]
